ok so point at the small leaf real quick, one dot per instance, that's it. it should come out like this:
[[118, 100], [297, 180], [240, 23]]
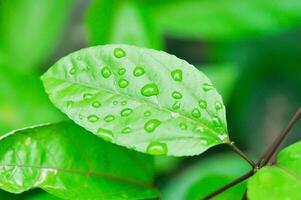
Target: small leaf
[[158, 122], [280, 181], [66, 161]]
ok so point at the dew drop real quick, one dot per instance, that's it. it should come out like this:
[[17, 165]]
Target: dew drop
[[96, 104], [176, 105], [151, 125], [109, 118], [70, 104], [157, 148], [207, 87], [119, 53], [147, 113], [176, 95], [150, 89], [204, 142], [199, 129], [72, 71], [123, 83], [124, 102], [218, 105], [126, 130], [203, 104], [183, 126], [126, 112], [115, 102], [105, 134], [216, 121], [87, 96], [138, 71], [177, 75], [93, 118], [121, 71], [105, 72], [196, 113]]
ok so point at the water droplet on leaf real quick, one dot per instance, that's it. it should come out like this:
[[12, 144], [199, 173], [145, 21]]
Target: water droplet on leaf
[[207, 87], [138, 71], [196, 113], [147, 113], [203, 104], [106, 73], [126, 112], [124, 102], [218, 105], [123, 83], [176, 95], [176, 105], [177, 75], [93, 118], [157, 148], [121, 71], [119, 52], [87, 96], [126, 130], [96, 104], [105, 134], [150, 89], [216, 121], [183, 126], [72, 71], [151, 125], [115, 102], [69, 104], [109, 118]]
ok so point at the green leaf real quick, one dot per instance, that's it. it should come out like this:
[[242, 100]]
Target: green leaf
[[226, 19], [115, 21], [280, 181], [29, 30], [35, 194], [139, 98], [66, 161], [207, 176]]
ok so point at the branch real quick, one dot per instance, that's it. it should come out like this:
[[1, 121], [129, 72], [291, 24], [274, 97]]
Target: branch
[[244, 156], [231, 184], [274, 146]]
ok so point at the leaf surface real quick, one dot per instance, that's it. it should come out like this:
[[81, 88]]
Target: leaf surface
[[139, 98], [66, 161], [281, 181]]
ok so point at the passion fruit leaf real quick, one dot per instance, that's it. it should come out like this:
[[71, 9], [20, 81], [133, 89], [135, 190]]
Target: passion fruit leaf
[[140, 98], [67, 162], [280, 181]]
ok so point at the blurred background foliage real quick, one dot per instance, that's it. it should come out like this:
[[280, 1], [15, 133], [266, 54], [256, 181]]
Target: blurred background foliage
[[250, 49]]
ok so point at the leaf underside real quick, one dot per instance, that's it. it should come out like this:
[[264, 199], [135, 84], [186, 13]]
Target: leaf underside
[[280, 181], [66, 161], [140, 98]]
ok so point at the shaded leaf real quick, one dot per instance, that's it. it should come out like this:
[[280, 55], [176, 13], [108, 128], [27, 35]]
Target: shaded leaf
[[226, 20], [280, 181], [139, 98], [207, 176], [29, 30], [66, 161], [115, 21]]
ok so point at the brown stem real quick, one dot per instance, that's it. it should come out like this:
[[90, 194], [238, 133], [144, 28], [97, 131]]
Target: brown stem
[[274, 146], [242, 154], [245, 196], [231, 184]]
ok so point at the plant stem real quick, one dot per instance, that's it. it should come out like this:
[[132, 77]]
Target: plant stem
[[231, 184], [242, 154], [274, 146]]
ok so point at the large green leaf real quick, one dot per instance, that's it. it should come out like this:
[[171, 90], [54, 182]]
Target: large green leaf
[[30, 29], [280, 181], [226, 19], [207, 176], [139, 98], [115, 21], [66, 161]]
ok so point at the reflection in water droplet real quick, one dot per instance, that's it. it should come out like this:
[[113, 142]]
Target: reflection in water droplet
[[218, 105], [138, 71], [157, 148], [199, 129], [176, 105], [183, 126], [121, 71], [109, 118], [216, 121], [207, 87], [126, 112], [150, 89], [177, 75], [96, 104], [119, 52], [105, 134], [147, 113], [93, 118], [69, 104], [196, 113], [106, 73], [87, 96], [151, 125], [126, 130], [123, 83], [203, 104], [204, 142], [115, 102], [72, 71], [176, 95], [124, 102]]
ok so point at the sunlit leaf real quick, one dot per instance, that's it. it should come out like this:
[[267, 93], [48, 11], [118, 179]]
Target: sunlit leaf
[[30, 30], [66, 161], [280, 181], [115, 21], [139, 98], [207, 176], [226, 20]]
